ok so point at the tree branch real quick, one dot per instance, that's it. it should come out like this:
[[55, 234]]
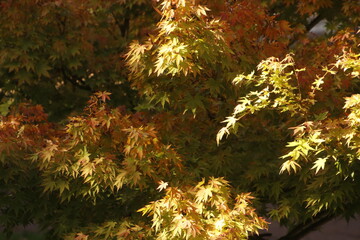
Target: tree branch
[[308, 27], [123, 27], [303, 229], [314, 22]]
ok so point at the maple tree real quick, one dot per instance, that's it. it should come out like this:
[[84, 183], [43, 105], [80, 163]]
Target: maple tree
[[178, 119]]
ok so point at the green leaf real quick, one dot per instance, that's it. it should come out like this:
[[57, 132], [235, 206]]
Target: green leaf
[[319, 164]]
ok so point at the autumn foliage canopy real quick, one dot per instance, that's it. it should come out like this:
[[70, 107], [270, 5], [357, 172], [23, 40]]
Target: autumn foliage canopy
[[178, 119]]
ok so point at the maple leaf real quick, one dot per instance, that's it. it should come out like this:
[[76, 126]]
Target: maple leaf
[[319, 164], [103, 95], [204, 194], [162, 185], [81, 236]]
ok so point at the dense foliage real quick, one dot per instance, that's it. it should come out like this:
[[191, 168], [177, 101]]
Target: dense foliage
[[178, 119]]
